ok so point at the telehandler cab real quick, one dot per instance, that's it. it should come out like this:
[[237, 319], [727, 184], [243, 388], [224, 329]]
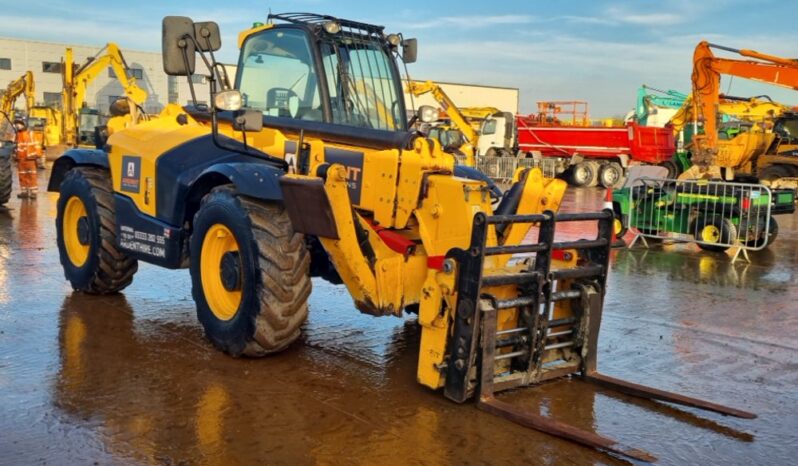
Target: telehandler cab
[[308, 167]]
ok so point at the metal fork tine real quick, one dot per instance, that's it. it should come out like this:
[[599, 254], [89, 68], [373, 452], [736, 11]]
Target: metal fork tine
[[550, 426]]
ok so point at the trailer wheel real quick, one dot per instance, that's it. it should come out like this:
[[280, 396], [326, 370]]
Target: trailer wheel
[[250, 274], [584, 174], [6, 181], [85, 227], [715, 229], [611, 175]]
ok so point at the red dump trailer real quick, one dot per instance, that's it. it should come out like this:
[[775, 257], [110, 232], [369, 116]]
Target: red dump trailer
[[593, 155]]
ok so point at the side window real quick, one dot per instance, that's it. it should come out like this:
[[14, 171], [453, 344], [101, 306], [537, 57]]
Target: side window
[[489, 127], [277, 77]]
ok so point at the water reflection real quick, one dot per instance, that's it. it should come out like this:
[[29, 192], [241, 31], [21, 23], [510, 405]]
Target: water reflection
[[702, 267]]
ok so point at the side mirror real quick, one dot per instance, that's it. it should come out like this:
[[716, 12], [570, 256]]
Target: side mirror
[[208, 37], [249, 121], [409, 50], [120, 107], [177, 45]]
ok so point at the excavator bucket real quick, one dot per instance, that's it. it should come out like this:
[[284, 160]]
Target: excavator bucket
[[522, 326]]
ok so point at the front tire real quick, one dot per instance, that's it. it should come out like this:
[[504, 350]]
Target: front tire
[[715, 229], [250, 274], [86, 233], [6, 181]]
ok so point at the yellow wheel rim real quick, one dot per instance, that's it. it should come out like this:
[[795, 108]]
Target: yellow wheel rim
[[74, 215], [710, 234], [223, 302], [617, 225]]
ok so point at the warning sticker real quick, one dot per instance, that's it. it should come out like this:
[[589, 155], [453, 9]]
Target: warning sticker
[[131, 174]]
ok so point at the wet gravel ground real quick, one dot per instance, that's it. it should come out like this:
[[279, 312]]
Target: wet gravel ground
[[129, 379]]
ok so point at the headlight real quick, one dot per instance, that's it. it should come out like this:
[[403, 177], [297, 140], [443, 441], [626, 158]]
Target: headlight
[[227, 100], [332, 27], [427, 113]]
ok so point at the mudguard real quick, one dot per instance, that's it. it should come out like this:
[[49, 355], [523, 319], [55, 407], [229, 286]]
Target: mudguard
[[72, 158], [256, 180]]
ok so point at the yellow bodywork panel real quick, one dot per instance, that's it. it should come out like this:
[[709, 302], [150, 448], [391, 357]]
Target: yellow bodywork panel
[[143, 144], [242, 36], [741, 150]]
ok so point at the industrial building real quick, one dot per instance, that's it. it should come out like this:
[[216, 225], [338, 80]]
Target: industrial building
[[44, 59]]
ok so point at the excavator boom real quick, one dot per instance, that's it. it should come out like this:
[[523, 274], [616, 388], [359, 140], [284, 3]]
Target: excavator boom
[[76, 82], [23, 85], [458, 119], [707, 69]]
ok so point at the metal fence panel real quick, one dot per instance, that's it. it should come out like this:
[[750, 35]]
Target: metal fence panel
[[715, 215], [501, 169]]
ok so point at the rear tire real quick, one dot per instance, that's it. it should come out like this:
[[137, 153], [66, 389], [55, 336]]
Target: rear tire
[[86, 233], [251, 289], [672, 167], [771, 236], [596, 166], [6, 180], [611, 175], [583, 174], [715, 230]]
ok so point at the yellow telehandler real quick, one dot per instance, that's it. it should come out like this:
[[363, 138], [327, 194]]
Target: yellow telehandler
[[306, 167]]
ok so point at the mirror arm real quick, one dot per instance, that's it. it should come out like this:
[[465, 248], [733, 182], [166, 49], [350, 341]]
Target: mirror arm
[[190, 82]]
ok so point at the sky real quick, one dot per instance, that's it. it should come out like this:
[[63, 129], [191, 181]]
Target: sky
[[598, 51]]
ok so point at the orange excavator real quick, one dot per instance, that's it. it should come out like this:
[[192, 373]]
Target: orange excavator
[[768, 143]]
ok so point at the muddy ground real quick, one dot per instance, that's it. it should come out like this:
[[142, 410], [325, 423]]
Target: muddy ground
[[129, 379]]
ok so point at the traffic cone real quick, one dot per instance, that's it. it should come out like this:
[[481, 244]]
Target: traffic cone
[[608, 199]]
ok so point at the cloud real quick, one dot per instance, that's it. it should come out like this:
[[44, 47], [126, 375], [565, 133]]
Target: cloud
[[81, 31], [472, 21], [585, 20], [564, 66], [652, 19]]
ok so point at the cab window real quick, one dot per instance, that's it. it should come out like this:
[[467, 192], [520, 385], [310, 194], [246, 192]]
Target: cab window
[[276, 75], [489, 127]]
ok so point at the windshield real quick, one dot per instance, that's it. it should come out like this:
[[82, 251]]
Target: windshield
[[88, 121], [36, 123], [362, 84], [277, 75]]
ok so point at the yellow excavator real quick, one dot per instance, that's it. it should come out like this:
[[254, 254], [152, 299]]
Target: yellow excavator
[[22, 86], [470, 136], [307, 166], [763, 146], [78, 122], [25, 86], [448, 134]]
